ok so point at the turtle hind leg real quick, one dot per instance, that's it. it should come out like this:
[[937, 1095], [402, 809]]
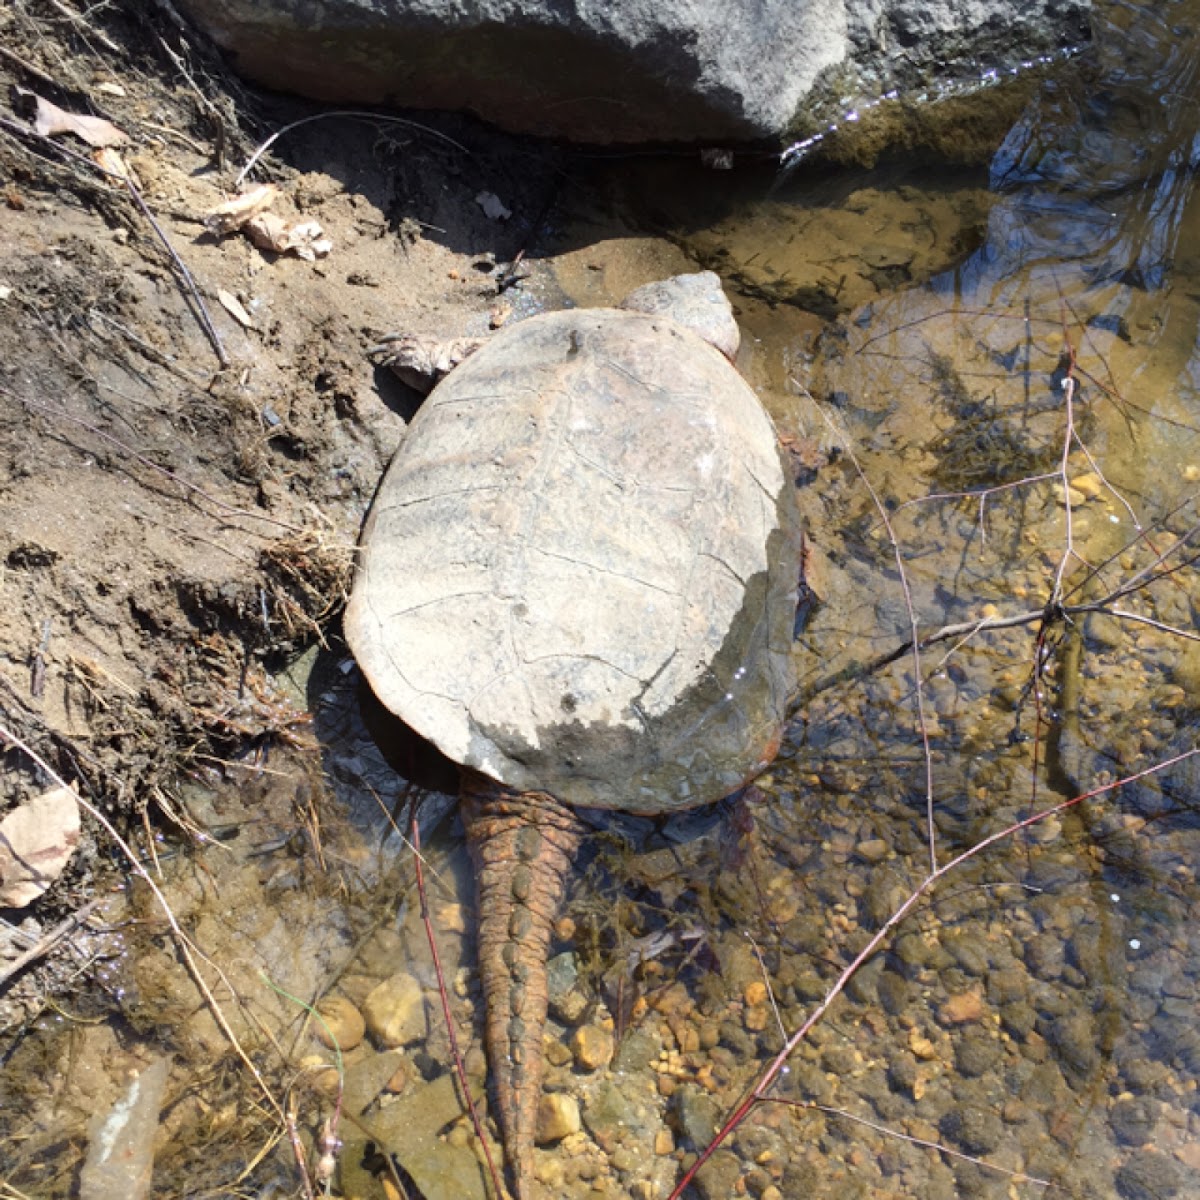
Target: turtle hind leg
[[522, 845]]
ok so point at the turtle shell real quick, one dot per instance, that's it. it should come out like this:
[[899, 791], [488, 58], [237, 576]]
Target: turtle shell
[[579, 572]]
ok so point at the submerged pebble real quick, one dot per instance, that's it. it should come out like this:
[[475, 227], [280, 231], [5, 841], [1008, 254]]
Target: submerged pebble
[[977, 1130], [697, 1114], [1132, 1121], [341, 1023], [592, 1046], [557, 1118], [959, 1009], [1150, 1175], [395, 1011], [719, 1177]]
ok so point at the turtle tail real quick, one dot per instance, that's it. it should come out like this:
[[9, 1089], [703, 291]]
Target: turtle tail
[[522, 845]]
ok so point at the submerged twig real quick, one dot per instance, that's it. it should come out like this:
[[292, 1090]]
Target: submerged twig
[[191, 954], [48, 941], [459, 1068], [189, 283]]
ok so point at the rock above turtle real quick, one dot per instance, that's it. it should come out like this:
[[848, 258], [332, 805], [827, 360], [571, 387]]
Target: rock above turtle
[[578, 580], [640, 70]]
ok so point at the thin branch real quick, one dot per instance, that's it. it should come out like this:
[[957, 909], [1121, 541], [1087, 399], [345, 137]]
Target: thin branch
[[46, 943], [189, 283], [914, 643], [459, 1068], [1125, 615], [202, 314], [228, 509], [1016, 1176], [321, 116]]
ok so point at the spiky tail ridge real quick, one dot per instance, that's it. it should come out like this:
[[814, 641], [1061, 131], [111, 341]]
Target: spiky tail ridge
[[522, 845]]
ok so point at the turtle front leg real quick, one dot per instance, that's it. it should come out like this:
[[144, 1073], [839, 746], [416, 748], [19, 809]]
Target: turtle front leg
[[522, 845]]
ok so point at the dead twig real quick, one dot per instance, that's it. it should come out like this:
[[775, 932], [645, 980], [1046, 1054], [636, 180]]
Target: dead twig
[[914, 642], [28, 67], [189, 951], [48, 941], [78, 22], [229, 510], [191, 291], [940, 1147], [459, 1068]]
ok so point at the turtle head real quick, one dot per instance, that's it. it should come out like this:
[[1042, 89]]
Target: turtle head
[[697, 301]]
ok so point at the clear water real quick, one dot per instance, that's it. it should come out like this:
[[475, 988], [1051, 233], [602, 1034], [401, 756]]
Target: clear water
[[991, 381]]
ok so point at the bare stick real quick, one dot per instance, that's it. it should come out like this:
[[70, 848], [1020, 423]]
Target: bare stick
[[228, 509], [189, 283], [18, 62], [46, 944], [914, 643], [1017, 1176], [80, 24], [190, 288]]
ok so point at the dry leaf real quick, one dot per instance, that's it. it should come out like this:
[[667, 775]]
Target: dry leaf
[[233, 306], [37, 840], [109, 161], [493, 207], [96, 131], [305, 239], [233, 214]]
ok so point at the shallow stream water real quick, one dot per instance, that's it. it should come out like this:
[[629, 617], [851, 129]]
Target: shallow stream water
[[990, 383]]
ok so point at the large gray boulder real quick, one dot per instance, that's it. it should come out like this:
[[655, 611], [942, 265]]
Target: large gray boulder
[[623, 70]]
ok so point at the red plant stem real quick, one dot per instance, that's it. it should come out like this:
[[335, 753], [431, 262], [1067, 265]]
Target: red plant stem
[[459, 1069], [758, 1092]]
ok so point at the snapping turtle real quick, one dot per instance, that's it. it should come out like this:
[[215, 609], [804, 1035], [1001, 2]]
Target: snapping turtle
[[578, 579]]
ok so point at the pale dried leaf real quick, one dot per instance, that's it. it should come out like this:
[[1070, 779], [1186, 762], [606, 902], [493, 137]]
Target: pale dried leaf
[[493, 207], [306, 239], [96, 131], [233, 214], [37, 840], [109, 161], [233, 306]]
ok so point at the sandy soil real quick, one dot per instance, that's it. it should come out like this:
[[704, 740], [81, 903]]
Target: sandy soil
[[180, 489]]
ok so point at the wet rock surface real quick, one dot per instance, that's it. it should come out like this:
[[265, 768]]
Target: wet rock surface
[[686, 72]]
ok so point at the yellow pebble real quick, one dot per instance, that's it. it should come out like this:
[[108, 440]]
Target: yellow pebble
[[756, 992]]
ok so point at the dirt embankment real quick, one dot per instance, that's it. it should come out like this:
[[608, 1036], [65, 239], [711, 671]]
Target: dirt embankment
[[190, 429]]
